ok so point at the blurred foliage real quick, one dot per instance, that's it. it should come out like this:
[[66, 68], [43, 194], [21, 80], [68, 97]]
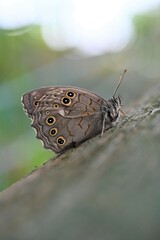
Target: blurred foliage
[[23, 51], [147, 25], [147, 33], [27, 63]]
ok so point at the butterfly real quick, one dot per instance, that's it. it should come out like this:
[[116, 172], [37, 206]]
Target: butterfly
[[65, 116]]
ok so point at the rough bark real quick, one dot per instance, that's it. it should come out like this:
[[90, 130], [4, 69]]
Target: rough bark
[[107, 188]]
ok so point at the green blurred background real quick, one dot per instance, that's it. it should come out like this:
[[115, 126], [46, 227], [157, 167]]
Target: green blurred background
[[27, 62]]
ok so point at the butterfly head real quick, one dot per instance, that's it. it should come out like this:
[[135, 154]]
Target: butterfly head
[[115, 102], [113, 109]]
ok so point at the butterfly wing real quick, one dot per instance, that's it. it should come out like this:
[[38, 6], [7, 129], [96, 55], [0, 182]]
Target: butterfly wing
[[64, 116]]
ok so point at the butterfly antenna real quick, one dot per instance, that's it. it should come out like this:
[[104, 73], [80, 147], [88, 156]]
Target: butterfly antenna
[[120, 80]]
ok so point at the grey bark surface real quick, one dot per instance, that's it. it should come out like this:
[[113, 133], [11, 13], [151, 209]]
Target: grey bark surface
[[107, 188]]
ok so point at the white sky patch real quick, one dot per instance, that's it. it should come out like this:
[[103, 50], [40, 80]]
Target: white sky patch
[[16, 13], [92, 26]]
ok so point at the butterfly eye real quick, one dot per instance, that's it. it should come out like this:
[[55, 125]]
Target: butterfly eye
[[50, 120], [61, 140], [70, 94], [66, 101], [47, 112], [36, 103], [53, 131], [56, 106]]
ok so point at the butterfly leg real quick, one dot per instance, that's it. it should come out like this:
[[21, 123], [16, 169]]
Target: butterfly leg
[[103, 124]]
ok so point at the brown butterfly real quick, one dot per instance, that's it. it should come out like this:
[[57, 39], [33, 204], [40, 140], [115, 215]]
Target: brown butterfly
[[66, 116]]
